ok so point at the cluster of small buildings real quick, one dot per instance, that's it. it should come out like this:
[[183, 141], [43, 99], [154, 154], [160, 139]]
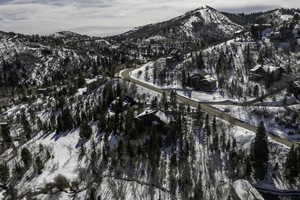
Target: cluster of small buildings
[[157, 45]]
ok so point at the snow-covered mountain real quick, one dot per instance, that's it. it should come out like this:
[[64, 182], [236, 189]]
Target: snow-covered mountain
[[42, 60], [67, 34], [189, 119], [204, 23]]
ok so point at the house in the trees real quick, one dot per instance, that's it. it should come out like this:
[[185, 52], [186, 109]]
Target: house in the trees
[[174, 57], [275, 36], [43, 91], [261, 30], [267, 32], [259, 72], [203, 82], [177, 54], [152, 117], [129, 101], [3, 125], [119, 105], [170, 62]]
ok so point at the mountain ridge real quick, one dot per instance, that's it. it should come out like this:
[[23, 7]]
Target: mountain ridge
[[204, 24]]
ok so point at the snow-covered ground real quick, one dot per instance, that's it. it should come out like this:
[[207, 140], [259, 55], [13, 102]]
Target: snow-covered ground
[[207, 16], [64, 157], [247, 114], [244, 190], [243, 137], [139, 74], [203, 96]]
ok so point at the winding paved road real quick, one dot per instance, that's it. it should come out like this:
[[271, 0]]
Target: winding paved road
[[207, 108], [222, 115]]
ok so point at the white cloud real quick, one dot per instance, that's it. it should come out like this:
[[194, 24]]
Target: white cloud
[[102, 17]]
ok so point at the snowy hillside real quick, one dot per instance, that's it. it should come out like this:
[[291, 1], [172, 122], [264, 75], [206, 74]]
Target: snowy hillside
[[207, 16], [204, 23], [278, 16]]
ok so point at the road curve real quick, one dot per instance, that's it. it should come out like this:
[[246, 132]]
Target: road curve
[[125, 74]]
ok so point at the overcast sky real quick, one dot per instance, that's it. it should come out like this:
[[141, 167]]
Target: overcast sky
[[107, 17]]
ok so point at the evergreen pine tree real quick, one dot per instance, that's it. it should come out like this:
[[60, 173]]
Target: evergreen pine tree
[[18, 171], [207, 126], [4, 173], [39, 165], [5, 133], [214, 125], [173, 99], [67, 120], [260, 153], [183, 78], [249, 62], [26, 157], [198, 191], [200, 62], [26, 126], [85, 131], [291, 165], [164, 102], [198, 119], [260, 59], [248, 169]]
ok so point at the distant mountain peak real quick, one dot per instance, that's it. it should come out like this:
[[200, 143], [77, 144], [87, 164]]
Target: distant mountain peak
[[204, 7], [207, 7], [204, 22], [66, 34]]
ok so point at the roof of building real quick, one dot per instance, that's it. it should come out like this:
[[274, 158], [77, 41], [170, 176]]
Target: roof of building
[[266, 68], [155, 112]]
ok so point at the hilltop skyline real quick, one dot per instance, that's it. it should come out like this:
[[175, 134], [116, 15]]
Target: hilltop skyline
[[108, 17]]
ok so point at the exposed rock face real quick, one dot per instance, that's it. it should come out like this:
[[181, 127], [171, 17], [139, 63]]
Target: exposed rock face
[[243, 190]]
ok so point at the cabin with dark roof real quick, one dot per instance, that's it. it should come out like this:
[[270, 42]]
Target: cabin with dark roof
[[3, 125], [259, 72], [203, 82]]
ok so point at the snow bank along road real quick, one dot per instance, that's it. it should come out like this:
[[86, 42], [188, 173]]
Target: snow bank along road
[[279, 86], [276, 192], [207, 108]]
